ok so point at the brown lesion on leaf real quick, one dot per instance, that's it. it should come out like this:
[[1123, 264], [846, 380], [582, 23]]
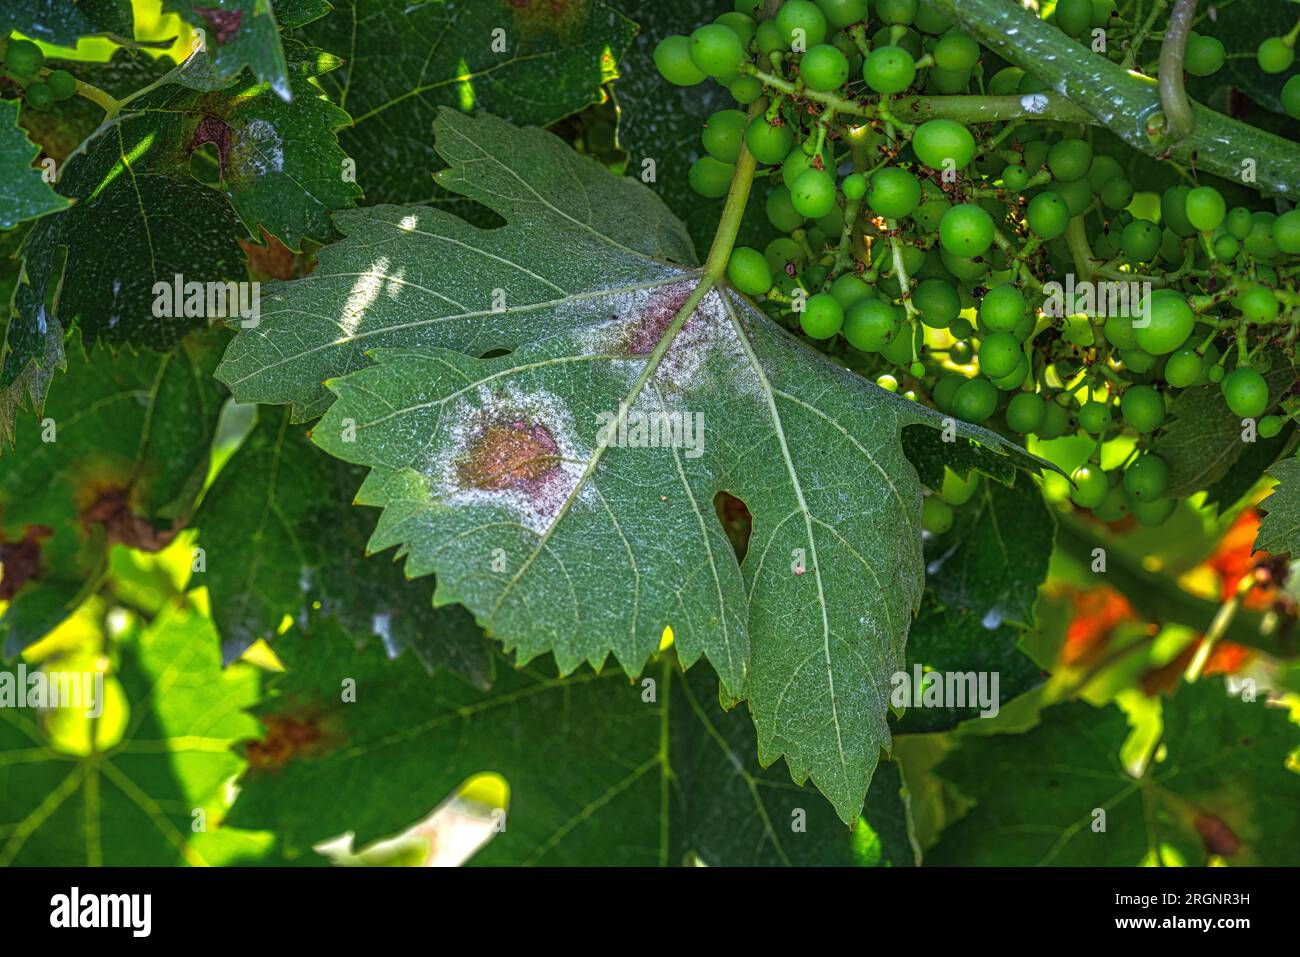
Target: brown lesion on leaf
[[287, 737], [1219, 839], [110, 506], [212, 129], [274, 260], [541, 17], [643, 335], [223, 25], [510, 454], [20, 561]]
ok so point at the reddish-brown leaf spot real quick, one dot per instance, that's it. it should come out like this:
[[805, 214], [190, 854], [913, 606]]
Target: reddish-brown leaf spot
[[214, 130], [223, 24], [1219, 839], [509, 455], [644, 335], [112, 509], [20, 561], [286, 737]]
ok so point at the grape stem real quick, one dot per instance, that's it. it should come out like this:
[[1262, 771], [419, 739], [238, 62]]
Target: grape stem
[[1135, 47], [733, 209], [1173, 92]]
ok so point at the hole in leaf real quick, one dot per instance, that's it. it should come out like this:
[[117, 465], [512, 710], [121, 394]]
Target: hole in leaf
[[736, 521]]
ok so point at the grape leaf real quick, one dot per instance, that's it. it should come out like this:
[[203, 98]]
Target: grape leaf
[[598, 774], [280, 538], [404, 61], [63, 22], [26, 194], [1203, 438], [239, 34], [498, 473], [1246, 472], [130, 802], [1279, 531], [119, 457], [1224, 788], [991, 563]]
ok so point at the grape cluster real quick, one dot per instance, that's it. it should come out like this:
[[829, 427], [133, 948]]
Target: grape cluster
[[926, 250], [24, 63]]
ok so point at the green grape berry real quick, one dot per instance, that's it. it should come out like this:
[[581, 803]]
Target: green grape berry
[[24, 58], [1170, 323], [1146, 478], [956, 51], [842, 13], [938, 302], [1002, 308], [957, 491], [1274, 56], [889, 69], [768, 142], [1206, 208], [822, 316], [849, 290], [748, 271], [1143, 408], [1269, 426], [39, 95], [1116, 193], [999, 354], [1155, 513], [716, 50], [1094, 417], [673, 59], [1204, 55], [745, 90], [62, 84], [1048, 215], [870, 324], [1291, 97], [937, 142], [975, 400], [1246, 392], [801, 21], [966, 230], [723, 135], [1183, 368], [1140, 241], [1286, 230], [1015, 177], [936, 515], [1070, 160], [1114, 506], [894, 193], [1090, 486], [855, 186], [710, 177], [1025, 412], [780, 210], [1258, 304], [813, 193], [824, 68], [896, 12]]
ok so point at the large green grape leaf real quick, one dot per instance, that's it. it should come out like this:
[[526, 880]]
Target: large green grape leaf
[[1203, 440], [64, 21], [1247, 471], [119, 456], [24, 192], [163, 751], [531, 61], [280, 538], [1223, 788], [239, 34], [498, 474], [1279, 531], [601, 771]]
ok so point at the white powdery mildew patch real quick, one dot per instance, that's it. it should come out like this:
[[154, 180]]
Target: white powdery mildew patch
[[258, 149], [707, 354], [536, 501]]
